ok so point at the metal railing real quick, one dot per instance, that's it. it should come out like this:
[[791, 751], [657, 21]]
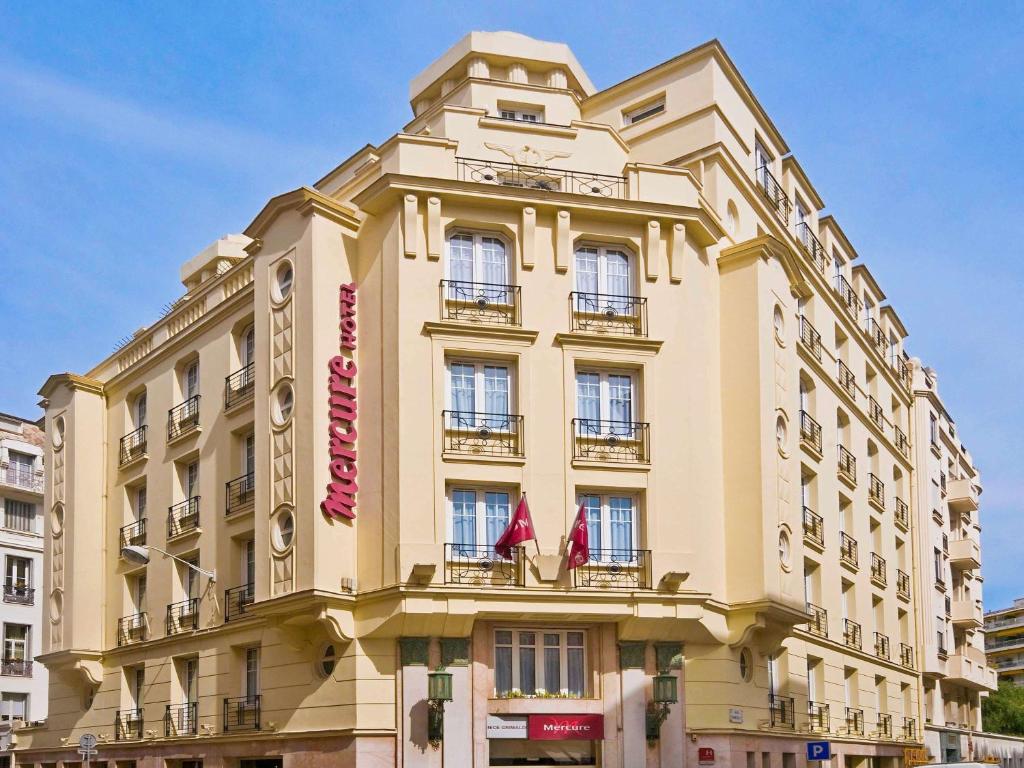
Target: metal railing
[[846, 379], [240, 494], [133, 534], [16, 667], [183, 517], [902, 584], [774, 193], [132, 628], [810, 431], [910, 729], [851, 634], [482, 566], [614, 441], [242, 713], [132, 446], [782, 711], [848, 296], [615, 569], [810, 337], [180, 719], [847, 464], [237, 600], [902, 443], [902, 514], [906, 656], [813, 246], [883, 726], [491, 303], [878, 574], [608, 313], [818, 625], [814, 528], [182, 616], [848, 549], [239, 386], [881, 646], [20, 476], [875, 412], [855, 721], [877, 336], [539, 177], [183, 418], [876, 489], [128, 724], [817, 716], [19, 594], [482, 434]]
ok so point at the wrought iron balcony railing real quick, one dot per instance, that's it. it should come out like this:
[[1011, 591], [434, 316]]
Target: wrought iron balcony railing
[[615, 569], [818, 625], [782, 711], [846, 379], [902, 584], [614, 441], [482, 434], [133, 446], [482, 566], [847, 464], [180, 719], [851, 634], [237, 600], [814, 528], [608, 314], [876, 490], [239, 386], [902, 443], [883, 725], [774, 193], [240, 494], [847, 296], [182, 616], [133, 534], [810, 337], [878, 574], [875, 412], [490, 303], [817, 717], [20, 476], [183, 418], [813, 246], [128, 724], [132, 629], [906, 656], [876, 336], [183, 517], [855, 721], [848, 550], [810, 432], [242, 713], [19, 593], [538, 177], [902, 514], [16, 667], [910, 729], [882, 646]]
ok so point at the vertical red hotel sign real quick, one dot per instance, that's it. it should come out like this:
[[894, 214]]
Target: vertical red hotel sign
[[341, 491]]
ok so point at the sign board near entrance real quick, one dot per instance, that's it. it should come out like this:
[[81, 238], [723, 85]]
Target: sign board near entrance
[[581, 727], [819, 750], [506, 726]]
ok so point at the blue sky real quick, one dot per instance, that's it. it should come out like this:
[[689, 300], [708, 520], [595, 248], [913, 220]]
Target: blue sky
[[132, 135]]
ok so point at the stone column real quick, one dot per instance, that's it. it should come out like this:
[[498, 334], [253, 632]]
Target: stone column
[[671, 747], [458, 714], [414, 656], [634, 703]]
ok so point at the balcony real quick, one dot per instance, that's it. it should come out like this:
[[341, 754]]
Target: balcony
[[240, 494], [19, 593], [902, 514], [132, 629], [242, 713], [876, 336], [23, 477], [133, 534], [481, 566], [237, 600], [782, 712], [846, 379], [901, 367], [818, 625], [882, 646], [128, 724], [847, 296], [180, 719], [847, 466], [812, 245], [817, 717], [469, 433], [875, 412], [878, 574], [967, 667], [540, 178], [851, 634], [909, 729], [964, 554], [183, 517], [183, 419], [814, 529], [962, 495], [906, 656], [902, 443], [810, 337], [810, 432], [854, 721], [487, 303], [610, 314], [876, 491], [615, 569], [902, 584], [967, 614], [182, 617], [883, 726], [774, 194], [848, 550], [16, 667], [239, 386], [133, 446], [620, 442]]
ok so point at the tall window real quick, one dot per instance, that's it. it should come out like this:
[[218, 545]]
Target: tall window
[[838, 263], [252, 674], [539, 661], [603, 396], [137, 686], [604, 270], [20, 468], [247, 348], [14, 706], [611, 525], [191, 380], [480, 388], [249, 563], [762, 157], [933, 428], [478, 517], [18, 573], [139, 594], [190, 577], [476, 258], [190, 680], [192, 479], [19, 515], [16, 642]]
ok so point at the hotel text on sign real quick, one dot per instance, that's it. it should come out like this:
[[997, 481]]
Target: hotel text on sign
[[341, 491], [582, 727]]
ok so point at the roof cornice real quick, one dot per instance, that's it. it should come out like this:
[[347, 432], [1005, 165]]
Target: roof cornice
[[71, 381], [307, 201]]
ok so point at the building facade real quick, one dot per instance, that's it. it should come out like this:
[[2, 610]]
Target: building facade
[[1004, 642], [623, 304]]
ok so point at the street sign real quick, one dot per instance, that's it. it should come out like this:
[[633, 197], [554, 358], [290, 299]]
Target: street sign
[[819, 750], [87, 741]]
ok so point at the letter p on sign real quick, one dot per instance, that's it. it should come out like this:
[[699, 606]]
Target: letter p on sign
[[819, 750]]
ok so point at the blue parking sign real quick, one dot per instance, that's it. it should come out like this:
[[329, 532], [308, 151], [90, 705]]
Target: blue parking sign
[[819, 750]]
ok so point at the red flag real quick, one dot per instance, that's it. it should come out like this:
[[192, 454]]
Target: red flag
[[518, 530], [579, 540]]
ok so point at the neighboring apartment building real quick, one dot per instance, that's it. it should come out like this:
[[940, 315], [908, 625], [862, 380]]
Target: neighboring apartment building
[[947, 488], [23, 694], [624, 301], [1004, 642]]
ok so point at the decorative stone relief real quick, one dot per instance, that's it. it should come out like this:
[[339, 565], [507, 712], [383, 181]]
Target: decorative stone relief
[[414, 651], [435, 236], [283, 572], [652, 249], [281, 363], [282, 455], [454, 651], [668, 656], [676, 252], [631, 654], [283, 466], [563, 241], [528, 236]]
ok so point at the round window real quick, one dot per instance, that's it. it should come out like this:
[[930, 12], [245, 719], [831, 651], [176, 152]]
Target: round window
[[781, 432], [746, 665], [779, 322], [328, 660], [282, 284], [58, 432], [784, 549], [283, 402], [57, 520], [283, 530]]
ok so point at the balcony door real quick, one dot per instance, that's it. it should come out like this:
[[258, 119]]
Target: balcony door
[[480, 394], [19, 573], [605, 281], [604, 402], [191, 380], [140, 411], [251, 681], [16, 642], [478, 518], [247, 349], [190, 681], [192, 480], [611, 526], [136, 687], [249, 565]]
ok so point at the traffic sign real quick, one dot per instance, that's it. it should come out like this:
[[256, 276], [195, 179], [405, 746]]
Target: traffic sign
[[819, 750], [87, 741]]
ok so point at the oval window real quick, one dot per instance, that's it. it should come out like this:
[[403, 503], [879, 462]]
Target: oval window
[[328, 660], [282, 405], [283, 530], [58, 431], [282, 284], [746, 665]]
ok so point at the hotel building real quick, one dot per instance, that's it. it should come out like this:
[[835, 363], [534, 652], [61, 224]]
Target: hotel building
[[271, 514]]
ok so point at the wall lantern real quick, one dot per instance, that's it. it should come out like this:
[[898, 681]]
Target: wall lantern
[[439, 691], [666, 693]]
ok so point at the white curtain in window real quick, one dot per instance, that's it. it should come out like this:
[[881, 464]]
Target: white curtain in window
[[494, 262], [574, 661], [502, 662], [621, 524], [587, 270], [528, 663], [460, 258], [620, 398], [588, 398], [497, 515], [617, 265], [464, 518], [496, 389], [463, 387], [592, 508], [552, 662]]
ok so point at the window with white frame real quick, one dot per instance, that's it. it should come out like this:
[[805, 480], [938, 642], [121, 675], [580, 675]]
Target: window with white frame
[[190, 380], [18, 573], [479, 393], [139, 507], [139, 410], [477, 516], [611, 525], [16, 642], [605, 402], [19, 515], [522, 115], [13, 706], [604, 270], [190, 680], [640, 113], [247, 346], [540, 661], [762, 157], [474, 257], [251, 683]]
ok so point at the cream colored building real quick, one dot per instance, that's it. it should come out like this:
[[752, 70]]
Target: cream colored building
[[1004, 641], [625, 299]]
